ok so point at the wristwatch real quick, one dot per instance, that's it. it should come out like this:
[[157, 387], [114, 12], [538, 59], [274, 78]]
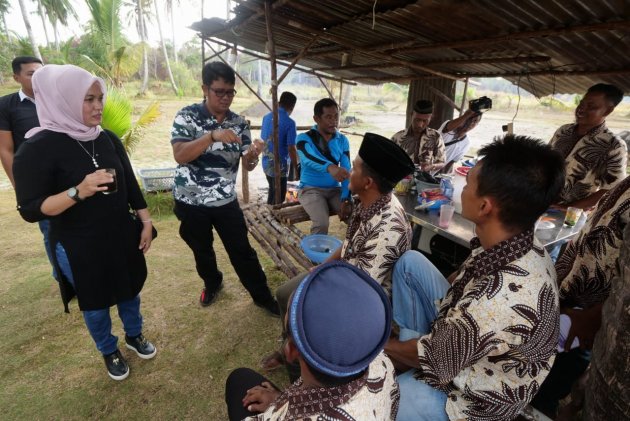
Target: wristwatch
[[73, 193]]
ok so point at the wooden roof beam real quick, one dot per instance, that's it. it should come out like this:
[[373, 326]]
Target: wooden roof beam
[[412, 46], [516, 59], [380, 56], [263, 57], [556, 73]]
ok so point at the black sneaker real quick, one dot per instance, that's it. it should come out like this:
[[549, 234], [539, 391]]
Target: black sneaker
[[208, 297], [143, 348], [271, 306], [116, 364]]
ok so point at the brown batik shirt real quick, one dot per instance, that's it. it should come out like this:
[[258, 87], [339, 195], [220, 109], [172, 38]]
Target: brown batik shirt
[[428, 147], [594, 161], [493, 342], [374, 396], [587, 266], [377, 236]]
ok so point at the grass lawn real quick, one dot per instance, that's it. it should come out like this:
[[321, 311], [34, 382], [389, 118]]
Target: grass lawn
[[51, 368]]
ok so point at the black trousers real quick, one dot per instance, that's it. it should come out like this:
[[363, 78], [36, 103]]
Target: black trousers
[[566, 370], [195, 229], [236, 386], [272, 190]]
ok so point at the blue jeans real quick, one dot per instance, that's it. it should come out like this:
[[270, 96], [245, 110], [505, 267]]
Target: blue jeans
[[417, 288], [99, 322], [44, 226]]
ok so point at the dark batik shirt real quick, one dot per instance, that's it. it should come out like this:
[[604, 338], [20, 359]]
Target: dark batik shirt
[[587, 266], [210, 179], [429, 146], [493, 342], [374, 396], [376, 238], [594, 161]]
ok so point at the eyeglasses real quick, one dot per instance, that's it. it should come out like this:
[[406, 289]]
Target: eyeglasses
[[223, 92]]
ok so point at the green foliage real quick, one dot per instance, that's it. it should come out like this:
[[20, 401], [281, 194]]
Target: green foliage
[[185, 79], [160, 204], [117, 112], [117, 118], [134, 135], [576, 99]]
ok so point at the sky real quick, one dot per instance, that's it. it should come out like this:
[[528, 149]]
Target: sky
[[187, 12]]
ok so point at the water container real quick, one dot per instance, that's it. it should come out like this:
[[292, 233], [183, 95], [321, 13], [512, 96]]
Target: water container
[[459, 181]]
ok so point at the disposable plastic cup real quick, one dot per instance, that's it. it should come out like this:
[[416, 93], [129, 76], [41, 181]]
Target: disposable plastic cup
[[572, 216], [446, 214]]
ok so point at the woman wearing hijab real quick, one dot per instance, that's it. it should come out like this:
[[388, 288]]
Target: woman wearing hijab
[[60, 175]]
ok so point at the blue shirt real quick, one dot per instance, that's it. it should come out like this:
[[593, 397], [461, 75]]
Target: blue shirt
[[314, 162], [287, 131], [210, 179]]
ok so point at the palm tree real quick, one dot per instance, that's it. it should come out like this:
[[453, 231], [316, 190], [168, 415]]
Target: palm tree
[[109, 53], [58, 11], [117, 118], [5, 6], [142, 31], [168, 64], [29, 30], [40, 12], [169, 11]]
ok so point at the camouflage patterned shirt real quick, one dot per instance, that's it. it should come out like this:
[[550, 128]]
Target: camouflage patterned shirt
[[210, 179]]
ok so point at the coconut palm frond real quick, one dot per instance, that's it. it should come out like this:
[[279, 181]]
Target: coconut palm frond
[[91, 66], [117, 113], [134, 135]]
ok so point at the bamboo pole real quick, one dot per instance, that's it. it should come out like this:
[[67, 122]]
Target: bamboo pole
[[296, 59], [274, 103], [462, 109]]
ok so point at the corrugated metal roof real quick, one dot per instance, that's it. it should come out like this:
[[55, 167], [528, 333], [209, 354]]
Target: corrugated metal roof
[[552, 46]]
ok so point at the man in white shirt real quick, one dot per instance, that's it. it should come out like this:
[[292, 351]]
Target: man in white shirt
[[455, 134]]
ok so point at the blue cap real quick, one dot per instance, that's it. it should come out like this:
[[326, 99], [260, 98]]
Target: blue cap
[[340, 319]]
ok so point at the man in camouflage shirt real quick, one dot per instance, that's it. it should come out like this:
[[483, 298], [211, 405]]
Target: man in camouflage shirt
[[208, 140], [423, 144]]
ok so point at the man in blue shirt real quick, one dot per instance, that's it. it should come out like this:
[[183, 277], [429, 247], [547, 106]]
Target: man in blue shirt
[[325, 160], [208, 141], [286, 145]]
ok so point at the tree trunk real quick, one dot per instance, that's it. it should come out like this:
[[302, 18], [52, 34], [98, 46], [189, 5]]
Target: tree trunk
[[40, 11], [56, 29], [345, 99], [168, 64], [607, 394], [4, 25], [29, 30], [260, 79], [145, 58], [175, 57]]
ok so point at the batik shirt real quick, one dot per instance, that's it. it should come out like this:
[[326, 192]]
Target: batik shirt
[[428, 147], [210, 179], [594, 161], [587, 266], [377, 236], [493, 342], [374, 396]]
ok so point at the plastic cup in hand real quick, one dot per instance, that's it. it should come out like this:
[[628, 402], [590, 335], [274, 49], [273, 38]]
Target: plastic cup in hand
[[446, 214], [572, 216], [113, 186]]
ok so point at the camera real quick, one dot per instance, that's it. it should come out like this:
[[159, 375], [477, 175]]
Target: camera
[[480, 105]]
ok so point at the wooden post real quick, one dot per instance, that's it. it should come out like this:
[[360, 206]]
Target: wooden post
[[274, 101], [462, 108]]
